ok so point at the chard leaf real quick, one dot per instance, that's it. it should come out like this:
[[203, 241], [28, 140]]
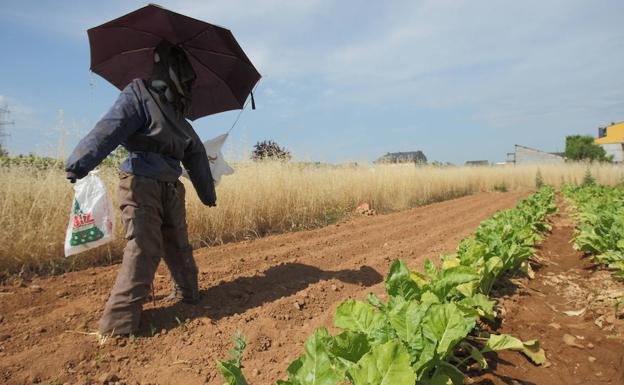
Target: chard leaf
[[493, 267], [293, 368], [470, 250], [387, 364], [400, 282], [535, 353], [438, 379], [483, 306], [467, 289], [446, 325], [406, 321], [350, 346], [429, 297], [447, 374], [431, 269], [384, 334], [427, 359], [421, 280], [375, 301], [503, 341], [231, 373], [450, 262], [476, 355], [449, 279], [357, 316], [316, 366], [530, 348], [525, 267]]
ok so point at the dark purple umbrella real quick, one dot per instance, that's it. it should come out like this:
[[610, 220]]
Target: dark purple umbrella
[[123, 50]]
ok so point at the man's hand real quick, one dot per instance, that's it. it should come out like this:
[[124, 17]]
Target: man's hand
[[71, 177]]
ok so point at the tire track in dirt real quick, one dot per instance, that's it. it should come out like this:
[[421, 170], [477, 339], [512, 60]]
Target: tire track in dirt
[[276, 290]]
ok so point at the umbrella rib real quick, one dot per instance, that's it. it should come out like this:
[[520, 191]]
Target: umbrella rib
[[216, 75], [120, 53], [249, 65], [248, 62], [132, 29], [201, 33], [128, 28], [187, 46]]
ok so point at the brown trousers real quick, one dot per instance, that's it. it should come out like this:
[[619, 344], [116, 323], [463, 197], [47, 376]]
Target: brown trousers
[[154, 220]]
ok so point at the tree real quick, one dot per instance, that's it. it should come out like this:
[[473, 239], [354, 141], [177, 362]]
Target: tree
[[269, 150], [588, 178], [582, 147], [417, 157], [3, 152]]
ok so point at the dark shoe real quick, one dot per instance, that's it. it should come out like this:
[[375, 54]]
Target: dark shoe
[[176, 296]]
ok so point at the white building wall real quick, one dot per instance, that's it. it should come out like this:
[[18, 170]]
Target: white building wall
[[615, 149], [525, 155]]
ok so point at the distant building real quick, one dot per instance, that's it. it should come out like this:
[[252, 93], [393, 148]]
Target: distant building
[[527, 155], [611, 138], [477, 163], [403, 157]]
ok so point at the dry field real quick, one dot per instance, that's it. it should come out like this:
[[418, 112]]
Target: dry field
[[259, 199]]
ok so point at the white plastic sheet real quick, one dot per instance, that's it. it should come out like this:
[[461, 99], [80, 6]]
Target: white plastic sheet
[[218, 165], [91, 222]]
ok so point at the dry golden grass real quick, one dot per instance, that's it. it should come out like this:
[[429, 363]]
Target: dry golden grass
[[258, 199]]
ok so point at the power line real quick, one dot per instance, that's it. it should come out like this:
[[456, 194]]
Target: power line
[[4, 121]]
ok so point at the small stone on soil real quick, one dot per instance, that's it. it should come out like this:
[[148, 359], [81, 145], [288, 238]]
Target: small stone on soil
[[107, 378], [570, 340]]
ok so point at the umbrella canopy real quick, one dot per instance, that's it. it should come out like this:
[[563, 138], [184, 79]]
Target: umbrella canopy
[[123, 50]]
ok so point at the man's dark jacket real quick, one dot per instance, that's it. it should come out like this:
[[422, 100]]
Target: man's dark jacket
[[144, 123]]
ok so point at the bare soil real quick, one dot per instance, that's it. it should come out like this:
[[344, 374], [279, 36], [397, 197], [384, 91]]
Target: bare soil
[[276, 291]]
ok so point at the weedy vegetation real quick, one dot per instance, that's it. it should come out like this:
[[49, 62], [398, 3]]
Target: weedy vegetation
[[261, 198]]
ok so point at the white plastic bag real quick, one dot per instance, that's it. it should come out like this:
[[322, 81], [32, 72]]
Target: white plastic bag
[[91, 222], [218, 165]]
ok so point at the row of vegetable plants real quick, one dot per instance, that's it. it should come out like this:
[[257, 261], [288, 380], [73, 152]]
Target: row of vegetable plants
[[431, 330], [599, 212]]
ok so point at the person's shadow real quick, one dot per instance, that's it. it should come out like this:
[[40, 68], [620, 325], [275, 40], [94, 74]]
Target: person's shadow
[[244, 293]]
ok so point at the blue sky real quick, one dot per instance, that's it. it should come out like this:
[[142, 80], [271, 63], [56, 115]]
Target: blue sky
[[349, 80]]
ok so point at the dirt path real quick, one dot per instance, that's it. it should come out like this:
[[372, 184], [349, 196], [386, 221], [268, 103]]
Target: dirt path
[[276, 290], [584, 346]]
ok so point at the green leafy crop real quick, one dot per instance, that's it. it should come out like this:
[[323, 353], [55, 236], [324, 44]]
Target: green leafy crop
[[600, 229]]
